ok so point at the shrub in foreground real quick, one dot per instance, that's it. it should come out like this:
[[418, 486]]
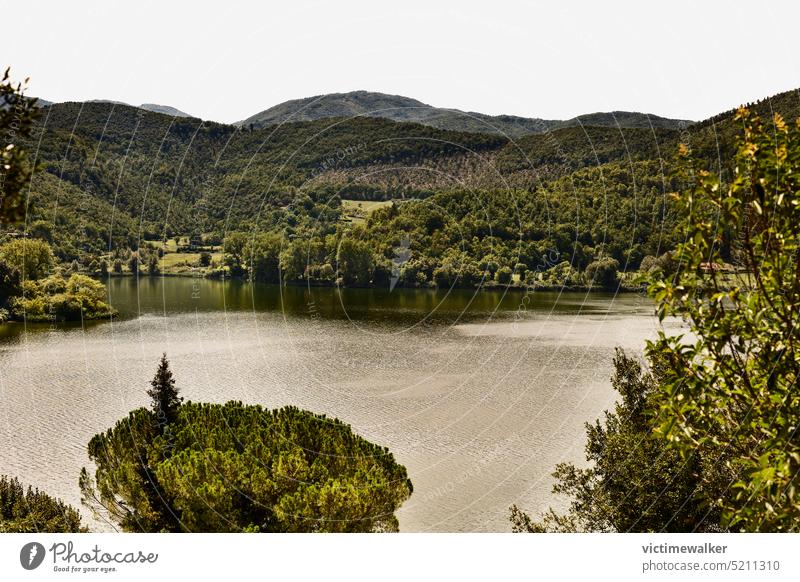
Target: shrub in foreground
[[31, 510]]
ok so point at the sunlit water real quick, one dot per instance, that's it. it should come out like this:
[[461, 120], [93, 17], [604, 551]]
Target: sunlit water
[[478, 400]]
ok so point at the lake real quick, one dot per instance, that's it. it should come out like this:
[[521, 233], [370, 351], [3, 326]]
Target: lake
[[478, 399]]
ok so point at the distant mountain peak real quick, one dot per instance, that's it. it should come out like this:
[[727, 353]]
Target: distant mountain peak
[[109, 101], [352, 104], [165, 109], [155, 108], [406, 109]]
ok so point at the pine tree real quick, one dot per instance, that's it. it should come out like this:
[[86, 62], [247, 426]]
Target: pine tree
[[164, 394], [33, 511]]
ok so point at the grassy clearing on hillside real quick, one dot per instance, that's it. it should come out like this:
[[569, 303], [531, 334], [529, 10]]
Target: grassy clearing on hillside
[[170, 246], [170, 260], [356, 211]]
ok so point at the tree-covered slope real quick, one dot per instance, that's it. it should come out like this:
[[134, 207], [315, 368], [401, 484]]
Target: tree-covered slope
[[112, 175]]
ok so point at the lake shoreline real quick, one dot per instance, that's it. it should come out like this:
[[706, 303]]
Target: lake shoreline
[[333, 285]]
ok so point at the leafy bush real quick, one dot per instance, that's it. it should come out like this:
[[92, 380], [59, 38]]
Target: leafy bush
[[732, 388], [603, 273], [57, 299], [503, 275], [562, 275]]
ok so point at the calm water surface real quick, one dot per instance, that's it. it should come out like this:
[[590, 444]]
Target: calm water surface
[[478, 399]]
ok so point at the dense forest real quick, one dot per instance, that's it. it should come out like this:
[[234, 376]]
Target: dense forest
[[359, 201]]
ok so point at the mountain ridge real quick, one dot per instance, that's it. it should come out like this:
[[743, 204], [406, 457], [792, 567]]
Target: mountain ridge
[[152, 107], [165, 109], [406, 109]]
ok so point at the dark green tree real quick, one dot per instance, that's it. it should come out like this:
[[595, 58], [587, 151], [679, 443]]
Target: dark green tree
[[635, 482], [33, 511], [294, 259], [603, 273], [263, 257], [163, 394], [354, 262], [504, 275], [152, 265], [235, 247], [133, 263], [10, 283], [237, 468]]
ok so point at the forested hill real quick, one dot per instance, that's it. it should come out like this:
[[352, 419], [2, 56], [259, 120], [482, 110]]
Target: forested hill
[[398, 108], [165, 109], [114, 176]]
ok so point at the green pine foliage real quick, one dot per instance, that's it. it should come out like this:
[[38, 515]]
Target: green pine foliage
[[33, 511], [163, 394], [240, 468]]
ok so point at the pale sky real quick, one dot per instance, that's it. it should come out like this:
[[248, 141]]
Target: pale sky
[[227, 60]]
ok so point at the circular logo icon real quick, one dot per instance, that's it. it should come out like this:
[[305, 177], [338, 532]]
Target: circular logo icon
[[31, 555]]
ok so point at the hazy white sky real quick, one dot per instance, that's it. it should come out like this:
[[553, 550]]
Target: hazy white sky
[[226, 60]]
